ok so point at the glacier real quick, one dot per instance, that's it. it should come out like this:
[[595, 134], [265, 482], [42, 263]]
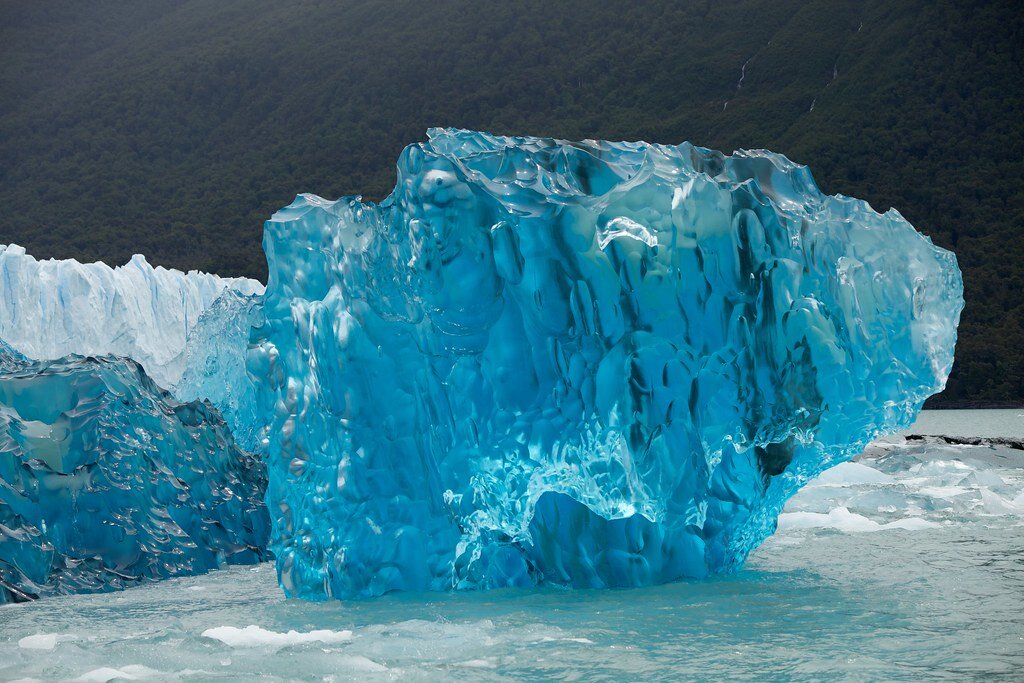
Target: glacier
[[107, 481], [577, 363], [50, 309]]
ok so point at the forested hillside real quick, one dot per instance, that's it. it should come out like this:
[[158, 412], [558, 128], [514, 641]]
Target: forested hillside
[[175, 127]]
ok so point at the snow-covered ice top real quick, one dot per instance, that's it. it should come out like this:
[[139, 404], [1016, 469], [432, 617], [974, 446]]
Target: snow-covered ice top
[[52, 308]]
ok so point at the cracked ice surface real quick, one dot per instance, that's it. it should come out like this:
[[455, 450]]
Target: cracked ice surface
[[587, 364]]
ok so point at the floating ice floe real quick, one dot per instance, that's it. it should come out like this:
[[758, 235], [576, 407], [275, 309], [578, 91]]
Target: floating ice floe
[[255, 636]]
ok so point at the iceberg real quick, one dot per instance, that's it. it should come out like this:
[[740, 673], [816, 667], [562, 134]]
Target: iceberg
[[51, 309], [106, 480], [215, 370], [577, 363]]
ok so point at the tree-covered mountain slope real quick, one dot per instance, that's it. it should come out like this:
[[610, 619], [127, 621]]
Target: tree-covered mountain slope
[[175, 127]]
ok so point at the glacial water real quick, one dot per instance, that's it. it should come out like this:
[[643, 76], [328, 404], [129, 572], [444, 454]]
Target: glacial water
[[1005, 423], [908, 563]]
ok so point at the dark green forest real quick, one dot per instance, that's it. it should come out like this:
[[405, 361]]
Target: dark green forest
[[175, 127]]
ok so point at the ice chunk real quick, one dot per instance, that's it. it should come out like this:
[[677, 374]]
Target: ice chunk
[[130, 672], [849, 522], [851, 474], [587, 364], [40, 641], [254, 636], [994, 504], [10, 359], [50, 309], [215, 354], [106, 480]]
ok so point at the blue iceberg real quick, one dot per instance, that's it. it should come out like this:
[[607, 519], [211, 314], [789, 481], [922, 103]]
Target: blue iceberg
[[215, 371], [584, 364], [106, 480]]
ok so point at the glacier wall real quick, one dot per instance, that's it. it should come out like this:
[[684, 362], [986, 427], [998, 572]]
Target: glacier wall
[[586, 364], [106, 480], [50, 309]]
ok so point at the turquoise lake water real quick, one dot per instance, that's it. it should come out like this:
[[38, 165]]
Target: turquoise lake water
[[906, 564]]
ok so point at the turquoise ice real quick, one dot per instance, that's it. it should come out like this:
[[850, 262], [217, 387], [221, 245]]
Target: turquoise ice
[[215, 354], [585, 364], [107, 481]]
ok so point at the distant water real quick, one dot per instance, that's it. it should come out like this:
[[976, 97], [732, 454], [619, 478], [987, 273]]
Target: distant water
[[904, 565], [987, 423]]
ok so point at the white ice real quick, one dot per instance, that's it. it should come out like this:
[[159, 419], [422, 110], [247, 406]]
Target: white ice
[[131, 672], [846, 521], [254, 636], [49, 309], [40, 641], [851, 474]]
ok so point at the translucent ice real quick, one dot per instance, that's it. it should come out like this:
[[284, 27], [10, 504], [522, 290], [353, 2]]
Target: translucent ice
[[50, 309], [589, 364], [215, 354], [106, 480]]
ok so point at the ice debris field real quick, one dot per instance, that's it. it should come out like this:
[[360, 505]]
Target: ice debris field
[[537, 362]]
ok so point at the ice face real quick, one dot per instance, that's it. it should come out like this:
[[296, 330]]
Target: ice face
[[587, 364], [106, 480], [215, 355], [50, 309]]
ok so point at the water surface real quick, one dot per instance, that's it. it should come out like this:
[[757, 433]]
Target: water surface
[[1007, 423], [906, 564]]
